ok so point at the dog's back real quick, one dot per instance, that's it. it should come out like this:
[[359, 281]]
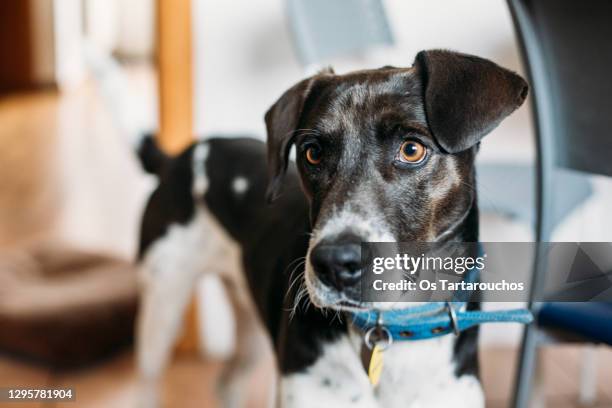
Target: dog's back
[[227, 178], [231, 171]]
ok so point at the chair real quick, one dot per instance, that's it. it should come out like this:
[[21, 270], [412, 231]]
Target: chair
[[323, 30], [565, 49]]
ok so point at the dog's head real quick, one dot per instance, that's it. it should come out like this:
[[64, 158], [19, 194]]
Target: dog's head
[[385, 155]]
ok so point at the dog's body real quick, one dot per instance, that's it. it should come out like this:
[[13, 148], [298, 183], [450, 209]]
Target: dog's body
[[357, 137]]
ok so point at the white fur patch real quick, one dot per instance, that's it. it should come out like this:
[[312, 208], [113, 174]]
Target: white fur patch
[[370, 227], [216, 321], [335, 380], [416, 374], [240, 185], [422, 374], [200, 180]]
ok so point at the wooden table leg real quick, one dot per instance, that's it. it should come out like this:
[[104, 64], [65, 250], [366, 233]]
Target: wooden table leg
[[175, 82]]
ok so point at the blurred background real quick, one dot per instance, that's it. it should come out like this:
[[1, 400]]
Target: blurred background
[[80, 80]]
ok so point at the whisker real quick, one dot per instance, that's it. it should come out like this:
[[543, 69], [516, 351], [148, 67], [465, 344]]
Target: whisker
[[302, 294], [293, 281], [300, 258]]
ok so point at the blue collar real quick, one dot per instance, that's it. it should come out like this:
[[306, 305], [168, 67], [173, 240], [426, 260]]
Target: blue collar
[[434, 319]]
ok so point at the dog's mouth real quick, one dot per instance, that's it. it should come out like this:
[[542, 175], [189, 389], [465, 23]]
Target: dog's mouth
[[325, 297], [350, 305], [334, 261]]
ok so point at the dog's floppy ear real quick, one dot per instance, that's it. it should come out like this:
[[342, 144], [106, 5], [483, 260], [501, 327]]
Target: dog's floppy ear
[[282, 120], [465, 96]]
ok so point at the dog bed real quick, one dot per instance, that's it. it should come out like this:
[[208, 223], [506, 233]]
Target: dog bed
[[65, 307]]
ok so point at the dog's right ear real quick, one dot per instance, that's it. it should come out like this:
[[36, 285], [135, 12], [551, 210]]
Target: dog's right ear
[[466, 96], [282, 120]]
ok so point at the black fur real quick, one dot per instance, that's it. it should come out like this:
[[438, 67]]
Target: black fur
[[171, 202], [466, 97]]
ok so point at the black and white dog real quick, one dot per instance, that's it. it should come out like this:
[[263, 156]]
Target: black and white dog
[[382, 155]]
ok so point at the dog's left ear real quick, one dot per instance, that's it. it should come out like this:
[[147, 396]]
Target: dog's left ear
[[282, 120], [465, 96]]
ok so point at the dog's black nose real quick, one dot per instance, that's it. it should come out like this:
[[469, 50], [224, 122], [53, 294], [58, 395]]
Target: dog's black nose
[[337, 264]]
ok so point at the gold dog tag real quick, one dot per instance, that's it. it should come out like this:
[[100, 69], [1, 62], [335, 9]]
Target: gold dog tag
[[373, 362]]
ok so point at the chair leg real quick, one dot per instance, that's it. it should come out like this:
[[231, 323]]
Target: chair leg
[[588, 376], [538, 395], [524, 382]]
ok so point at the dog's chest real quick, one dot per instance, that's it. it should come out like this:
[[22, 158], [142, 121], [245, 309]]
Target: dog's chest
[[415, 374], [414, 370]]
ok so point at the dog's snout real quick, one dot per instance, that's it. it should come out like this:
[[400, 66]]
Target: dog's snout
[[337, 264]]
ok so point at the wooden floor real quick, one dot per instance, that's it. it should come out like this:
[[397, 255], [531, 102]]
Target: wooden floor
[[51, 148], [190, 382]]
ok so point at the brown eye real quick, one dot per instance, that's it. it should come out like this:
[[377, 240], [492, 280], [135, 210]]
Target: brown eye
[[412, 152], [314, 155]]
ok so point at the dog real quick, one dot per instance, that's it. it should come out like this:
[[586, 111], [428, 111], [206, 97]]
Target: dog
[[382, 155]]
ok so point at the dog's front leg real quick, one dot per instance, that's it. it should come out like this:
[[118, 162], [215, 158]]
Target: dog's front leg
[[335, 380]]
